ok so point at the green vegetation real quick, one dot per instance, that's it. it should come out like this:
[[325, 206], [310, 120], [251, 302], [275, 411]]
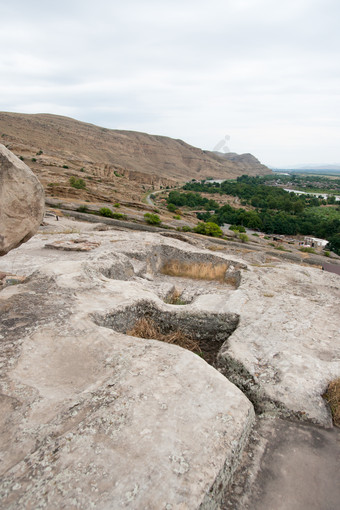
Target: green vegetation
[[306, 183], [307, 249], [177, 217], [65, 166], [116, 205], [191, 200], [33, 160], [185, 228], [117, 174], [172, 207], [39, 153], [152, 219], [274, 210], [106, 211], [208, 229], [83, 209], [243, 238], [237, 228], [77, 183]]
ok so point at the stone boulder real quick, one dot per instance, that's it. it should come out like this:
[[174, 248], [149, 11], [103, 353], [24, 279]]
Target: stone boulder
[[22, 201]]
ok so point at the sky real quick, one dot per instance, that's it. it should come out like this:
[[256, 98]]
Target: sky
[[259, 76]]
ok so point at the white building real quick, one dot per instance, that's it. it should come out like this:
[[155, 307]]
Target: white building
[[315, 242]]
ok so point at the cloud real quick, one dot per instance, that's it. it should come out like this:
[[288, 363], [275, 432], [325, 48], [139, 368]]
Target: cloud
[[255, 69]]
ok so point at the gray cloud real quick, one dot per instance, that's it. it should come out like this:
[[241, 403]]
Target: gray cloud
[[266, 73]]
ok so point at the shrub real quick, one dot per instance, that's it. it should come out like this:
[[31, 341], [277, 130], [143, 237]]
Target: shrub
[[22, 159], [65, 166], [237, 228], [185, 228], [77, 183], [243, 238], [208, 229], [177, 217], [105, 211], [33, 160], [152, 219], [172, 207], [116, 205], [83, 208], [118, 216], [117, 174], [327, 254], [39, 153]]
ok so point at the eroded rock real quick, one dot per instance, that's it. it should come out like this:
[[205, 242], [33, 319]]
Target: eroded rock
[[94, 417], [21, 201]]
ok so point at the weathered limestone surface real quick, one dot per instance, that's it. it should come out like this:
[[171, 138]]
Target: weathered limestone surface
[[21, 201], [91, 417]]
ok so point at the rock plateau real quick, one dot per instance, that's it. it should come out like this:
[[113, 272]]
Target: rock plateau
[[92, 417]]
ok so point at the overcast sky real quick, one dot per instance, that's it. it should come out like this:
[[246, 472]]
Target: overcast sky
[[264, 72]]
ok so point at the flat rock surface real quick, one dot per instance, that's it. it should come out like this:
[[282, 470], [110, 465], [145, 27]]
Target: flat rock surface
[[290, 466], [92, 417]]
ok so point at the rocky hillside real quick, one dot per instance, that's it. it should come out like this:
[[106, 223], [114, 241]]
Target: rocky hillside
[[58, 147]]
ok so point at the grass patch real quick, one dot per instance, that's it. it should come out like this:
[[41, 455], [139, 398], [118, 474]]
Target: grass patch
[[281, 248], [307, 249], [195, 270], [215, 247], [332, 396], [174, 298], [145, 328]]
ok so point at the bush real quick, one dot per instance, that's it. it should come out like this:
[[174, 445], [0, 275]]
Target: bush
[[208, 229], [105, 211], [77, 183], [33, 160], [118, 216], [172, 207], [116, 205], [83, 208], [152, 219], [237, 228], [177, 217], [65, 166], [243, 238], [185, 228]]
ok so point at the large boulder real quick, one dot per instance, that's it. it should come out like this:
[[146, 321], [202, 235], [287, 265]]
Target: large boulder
[[22, 201]]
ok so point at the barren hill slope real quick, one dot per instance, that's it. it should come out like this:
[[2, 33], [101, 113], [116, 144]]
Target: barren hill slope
[[86, 144]]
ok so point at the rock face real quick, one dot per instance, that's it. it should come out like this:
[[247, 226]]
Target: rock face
[[21, 201], [92, 417]]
